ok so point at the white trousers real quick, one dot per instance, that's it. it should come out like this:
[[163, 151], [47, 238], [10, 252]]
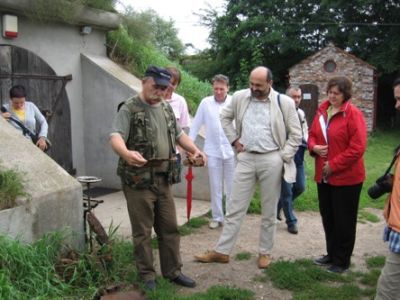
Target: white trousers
[[220, 174], [250, 168]]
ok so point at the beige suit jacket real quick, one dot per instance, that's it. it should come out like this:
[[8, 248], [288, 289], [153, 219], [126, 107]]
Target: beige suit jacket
[[285, 125]]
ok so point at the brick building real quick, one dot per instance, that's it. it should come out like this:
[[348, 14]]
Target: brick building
[[312, 75]]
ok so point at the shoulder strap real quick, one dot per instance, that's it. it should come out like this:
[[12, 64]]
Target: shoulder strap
[[392, 162], [25, 130]]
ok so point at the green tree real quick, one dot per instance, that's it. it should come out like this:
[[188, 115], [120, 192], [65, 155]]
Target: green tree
[[149, 27], [279, 33]]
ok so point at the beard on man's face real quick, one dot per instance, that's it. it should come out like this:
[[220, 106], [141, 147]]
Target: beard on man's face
[[258, 93]]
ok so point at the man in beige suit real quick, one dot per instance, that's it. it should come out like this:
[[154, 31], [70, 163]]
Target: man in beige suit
[[266, 137]]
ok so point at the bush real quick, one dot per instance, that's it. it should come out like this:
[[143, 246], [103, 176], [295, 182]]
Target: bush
[[10, 188]]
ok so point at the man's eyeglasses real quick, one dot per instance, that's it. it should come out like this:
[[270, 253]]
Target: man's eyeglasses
[[159, 87]]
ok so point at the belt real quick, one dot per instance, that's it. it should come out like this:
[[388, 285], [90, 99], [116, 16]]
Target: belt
[[256, 152]]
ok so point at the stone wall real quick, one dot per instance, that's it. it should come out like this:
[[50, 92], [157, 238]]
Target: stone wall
[[311, 71]]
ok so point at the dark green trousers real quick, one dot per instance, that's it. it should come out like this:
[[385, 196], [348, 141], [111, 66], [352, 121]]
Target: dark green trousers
[[154, 208]]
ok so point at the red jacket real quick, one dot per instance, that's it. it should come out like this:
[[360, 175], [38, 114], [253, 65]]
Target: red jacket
[[347, 139]]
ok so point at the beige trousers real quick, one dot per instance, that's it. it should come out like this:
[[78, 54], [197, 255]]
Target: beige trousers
[[389, 282], [267, 170]]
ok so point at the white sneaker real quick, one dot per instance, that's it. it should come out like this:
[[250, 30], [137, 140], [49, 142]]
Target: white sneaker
[[214, 224]]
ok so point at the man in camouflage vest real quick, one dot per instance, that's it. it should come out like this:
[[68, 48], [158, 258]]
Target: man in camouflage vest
[[144, 135]]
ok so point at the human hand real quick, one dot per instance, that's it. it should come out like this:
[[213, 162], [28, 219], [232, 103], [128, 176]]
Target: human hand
[[326, 170], [41, 143], [238, 146], [321, 150], [197, 159], [134, 158], [6, 115]]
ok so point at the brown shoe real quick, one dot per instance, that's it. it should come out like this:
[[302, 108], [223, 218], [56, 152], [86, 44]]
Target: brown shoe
[[264, 261], [212, 256]]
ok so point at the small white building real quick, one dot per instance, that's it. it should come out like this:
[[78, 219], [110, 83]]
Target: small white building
[[65, 68]]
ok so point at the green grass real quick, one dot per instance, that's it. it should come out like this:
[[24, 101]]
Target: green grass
[[364, 216], [36, 272], [11, 186], [308, 281], [243, 256], [377, 158], [136, 56]]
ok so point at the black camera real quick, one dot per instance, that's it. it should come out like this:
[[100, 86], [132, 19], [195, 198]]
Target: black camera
[[382, 186]]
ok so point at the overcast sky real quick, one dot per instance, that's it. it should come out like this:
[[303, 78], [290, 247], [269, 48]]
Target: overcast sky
[[181, 12]]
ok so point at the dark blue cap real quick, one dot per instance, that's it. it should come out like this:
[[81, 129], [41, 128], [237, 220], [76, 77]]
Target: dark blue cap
[[160, 75]]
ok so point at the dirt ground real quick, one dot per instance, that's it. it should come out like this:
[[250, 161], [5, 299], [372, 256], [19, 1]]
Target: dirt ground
[[308, 243]]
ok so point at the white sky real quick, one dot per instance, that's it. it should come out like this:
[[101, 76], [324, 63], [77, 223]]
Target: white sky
[[181, 12]]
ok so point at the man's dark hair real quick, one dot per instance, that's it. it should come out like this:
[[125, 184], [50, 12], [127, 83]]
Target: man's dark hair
[[17, 91], [269, 75], [344, 85], [220, 78], [396, 82]]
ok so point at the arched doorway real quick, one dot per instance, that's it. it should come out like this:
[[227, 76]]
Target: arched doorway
[[46, 90]]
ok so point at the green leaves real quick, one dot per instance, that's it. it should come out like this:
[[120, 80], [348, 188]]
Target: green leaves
[[285, 32]]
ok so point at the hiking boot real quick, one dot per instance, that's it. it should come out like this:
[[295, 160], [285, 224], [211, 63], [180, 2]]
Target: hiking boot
[[292, 229], [212, 256], [264, 260], [323, 260]]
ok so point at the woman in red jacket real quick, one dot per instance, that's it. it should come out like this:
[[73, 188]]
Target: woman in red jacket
[[337, 140]]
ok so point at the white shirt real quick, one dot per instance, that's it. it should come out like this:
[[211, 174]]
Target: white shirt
[[216, 144], [257, 132]]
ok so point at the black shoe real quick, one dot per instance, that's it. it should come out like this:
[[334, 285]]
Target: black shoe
[[293, 229], [336, 269], [185, 281], [150, 285], [323, 261], [279, 215]]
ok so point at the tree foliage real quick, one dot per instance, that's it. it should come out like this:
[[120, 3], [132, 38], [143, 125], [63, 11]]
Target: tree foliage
[[280, 33], [149, 27]]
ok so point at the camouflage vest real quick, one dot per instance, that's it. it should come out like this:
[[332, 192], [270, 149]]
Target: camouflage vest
[[141, 139]]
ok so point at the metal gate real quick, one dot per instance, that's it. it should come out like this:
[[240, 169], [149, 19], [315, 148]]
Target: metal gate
[[46, 90]]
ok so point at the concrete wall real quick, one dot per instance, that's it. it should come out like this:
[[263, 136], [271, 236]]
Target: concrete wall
[[105, 85], [61, 46], [55, 198], [98, 85]]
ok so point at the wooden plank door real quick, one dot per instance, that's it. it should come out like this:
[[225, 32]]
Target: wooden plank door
[[309, 103], [45, 89]]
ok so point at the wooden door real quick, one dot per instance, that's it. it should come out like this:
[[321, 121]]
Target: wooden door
[[309, 103], [46, 90]]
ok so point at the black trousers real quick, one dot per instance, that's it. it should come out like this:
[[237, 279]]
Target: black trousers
[[338, 206]]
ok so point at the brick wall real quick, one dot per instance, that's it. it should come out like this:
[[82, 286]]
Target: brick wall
[[311, 71]]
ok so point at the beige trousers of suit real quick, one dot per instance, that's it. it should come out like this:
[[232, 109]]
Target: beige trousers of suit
[[267, 170]]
